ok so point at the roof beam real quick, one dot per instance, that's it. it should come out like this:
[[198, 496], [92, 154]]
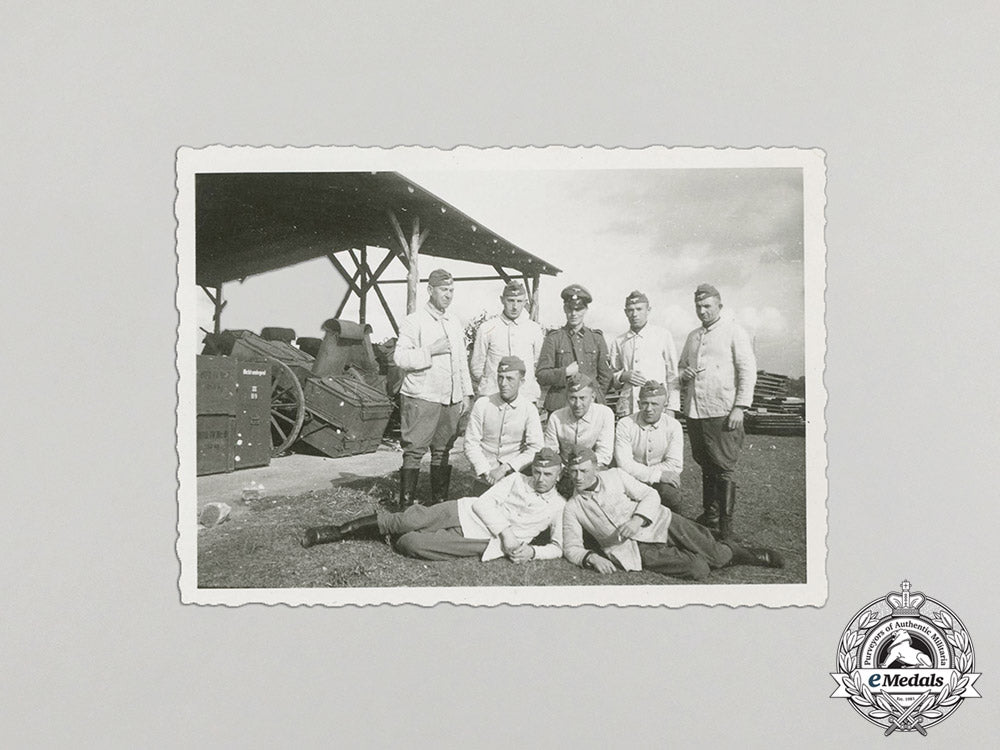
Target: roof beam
[[350, 279], [454, 278], [381, 268]]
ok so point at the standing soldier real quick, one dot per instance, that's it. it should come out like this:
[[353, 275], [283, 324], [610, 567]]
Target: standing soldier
[[573, 349], [718, 372], [644, 352], [511, 333], [436, 391]]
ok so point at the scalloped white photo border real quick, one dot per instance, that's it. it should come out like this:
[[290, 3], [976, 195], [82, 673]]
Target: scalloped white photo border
[[219, 158]]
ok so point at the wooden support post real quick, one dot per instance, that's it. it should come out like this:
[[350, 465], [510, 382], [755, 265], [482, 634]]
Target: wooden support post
[[534, 298], [218, 303], [413, 274], [363, 270], [411, 251], [503, 274], [525, 279]]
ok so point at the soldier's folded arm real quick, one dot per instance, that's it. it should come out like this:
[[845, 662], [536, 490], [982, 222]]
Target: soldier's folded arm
[[534, 441], [672, 478], [537, 340], [605, 445], [624, 458], [408, 354], [684, 361], [547, 373], [674, 460], [554, 549], [473, 447], [647, 499], [670, 468], [604, 373], [573, 549], [486, 508], [477, 363], [672, 377], [746, 368], [551, 437], [617, 364]]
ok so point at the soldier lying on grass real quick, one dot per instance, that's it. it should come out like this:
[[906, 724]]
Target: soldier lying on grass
[[505, 521], [635, 532]]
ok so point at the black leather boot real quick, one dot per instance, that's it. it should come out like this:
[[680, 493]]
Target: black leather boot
[[363, 527], [408, 487], [727, 504], [709, 502], [440, 482], [760, 556]]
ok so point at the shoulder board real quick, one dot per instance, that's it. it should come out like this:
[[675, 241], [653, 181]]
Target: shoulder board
[[597, 330]]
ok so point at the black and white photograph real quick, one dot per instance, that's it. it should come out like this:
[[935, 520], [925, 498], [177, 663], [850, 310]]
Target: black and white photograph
[[549, 376], [445, 375]]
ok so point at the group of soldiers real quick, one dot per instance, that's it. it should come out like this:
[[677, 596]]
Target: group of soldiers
[[602, 492]]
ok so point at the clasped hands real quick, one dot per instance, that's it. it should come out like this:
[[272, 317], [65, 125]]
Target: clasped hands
[[624, 532], [515, 550], [633, 377], [494, 476]]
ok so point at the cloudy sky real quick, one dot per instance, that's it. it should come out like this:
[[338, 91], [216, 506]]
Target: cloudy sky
[[663, 231]]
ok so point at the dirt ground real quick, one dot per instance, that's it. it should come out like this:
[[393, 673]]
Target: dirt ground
[[258, 546]]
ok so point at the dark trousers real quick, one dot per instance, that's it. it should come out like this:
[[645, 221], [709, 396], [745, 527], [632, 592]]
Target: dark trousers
[[431, 533], [715, 448], [426, 424], [670, 496], [690, 551]]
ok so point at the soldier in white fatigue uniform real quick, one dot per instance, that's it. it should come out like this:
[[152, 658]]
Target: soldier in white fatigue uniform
[[519, 518], [644, 352], [436, 391], [718, 375], [504, 430], [649, 445], [635, 532], [511, 333]]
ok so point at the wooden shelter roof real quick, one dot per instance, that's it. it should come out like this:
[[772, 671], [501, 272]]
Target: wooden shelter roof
[[251, 223]]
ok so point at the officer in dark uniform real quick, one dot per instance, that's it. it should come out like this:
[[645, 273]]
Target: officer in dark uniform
[[571, 349]]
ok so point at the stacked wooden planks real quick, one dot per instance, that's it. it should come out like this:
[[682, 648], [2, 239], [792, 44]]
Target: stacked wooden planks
[[772, 411]]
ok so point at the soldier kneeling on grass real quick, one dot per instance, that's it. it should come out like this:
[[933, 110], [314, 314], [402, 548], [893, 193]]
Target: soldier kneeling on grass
[[511, 519], [635, 532]]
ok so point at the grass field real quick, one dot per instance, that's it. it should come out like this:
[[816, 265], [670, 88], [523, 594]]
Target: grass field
[[260, 548]]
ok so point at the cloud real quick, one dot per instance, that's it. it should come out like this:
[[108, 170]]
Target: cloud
[[764, 323], [728, 208]]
